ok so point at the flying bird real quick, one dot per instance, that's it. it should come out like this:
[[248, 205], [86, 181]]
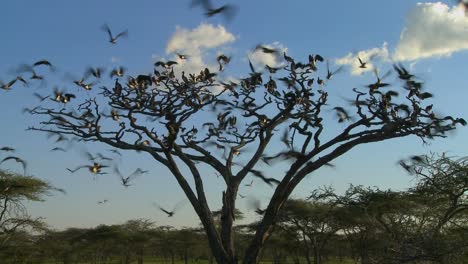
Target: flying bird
[[96, 168], [229, 11], [342, 114], [269, 181], [7, 149], [127, 179], [18, 160], [44, 63], [112, 38], [174, 209]]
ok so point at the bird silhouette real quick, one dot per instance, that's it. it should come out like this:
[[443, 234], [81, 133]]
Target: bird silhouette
[[119, 72], [18, 160], [44, 63], [113, 39], [182, 56], [103, 201], [223, 60], [249, 184], [7, 149], [174, 209], [362, 64], [96, 168], [342, 114], [127, 179], [330, 73], [269, 181], [8, 85], [267, 50], [228, 11]]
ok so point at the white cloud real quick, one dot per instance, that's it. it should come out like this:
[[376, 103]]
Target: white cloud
[[199, 44], [367, 56], [259, 58], [432, 29]]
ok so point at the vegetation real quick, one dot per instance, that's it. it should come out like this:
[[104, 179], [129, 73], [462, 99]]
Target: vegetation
[[14, 191]]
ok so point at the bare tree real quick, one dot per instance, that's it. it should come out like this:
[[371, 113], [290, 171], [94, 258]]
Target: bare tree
[[160, 114]]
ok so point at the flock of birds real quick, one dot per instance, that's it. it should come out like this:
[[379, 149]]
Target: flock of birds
[[98, 163]]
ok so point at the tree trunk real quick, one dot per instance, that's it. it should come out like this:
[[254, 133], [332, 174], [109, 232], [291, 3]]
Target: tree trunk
[[317, 258], [227, 221]]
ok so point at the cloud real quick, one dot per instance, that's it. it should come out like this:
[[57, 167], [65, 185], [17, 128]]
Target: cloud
[[432, 29], [199, 44], [204, 36], [259, 58], [367, 56]]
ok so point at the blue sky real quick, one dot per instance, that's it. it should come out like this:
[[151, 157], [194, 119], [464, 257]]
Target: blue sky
[[428, 37]]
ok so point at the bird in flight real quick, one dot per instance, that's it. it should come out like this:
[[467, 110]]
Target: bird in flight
[[229, 11], [170, 213], [96, 168], [112, 38], [7, 149], [127, 179], [17, 159]]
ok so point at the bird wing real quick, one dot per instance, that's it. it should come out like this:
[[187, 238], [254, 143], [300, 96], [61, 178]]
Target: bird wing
[[106, 28]]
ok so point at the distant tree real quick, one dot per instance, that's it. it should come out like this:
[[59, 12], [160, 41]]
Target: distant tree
[[15, 190], [314, 222], [425, 224], [166, 115]]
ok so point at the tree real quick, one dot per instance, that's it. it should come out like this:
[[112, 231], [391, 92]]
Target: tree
[[14, 191], [159, 114], [313, 222]]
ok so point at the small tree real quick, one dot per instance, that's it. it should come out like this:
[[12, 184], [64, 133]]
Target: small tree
[[159, 114], [14, 191], [314, 222]]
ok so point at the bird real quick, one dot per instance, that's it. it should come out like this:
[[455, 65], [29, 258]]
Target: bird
[[342, 114], [43, 62], [378, 84], [8, 85], [7, 149], [95, 72], [362, 64], [92, 157], [40, 97], [17, 159], [119, 72], [126, 179], [285, 138], [182, 56], [103, 201], [228, 11], [265, 49], [222, 61], [269, 181], [331, 73], [165, 65], [174, 209], [113, 39], [249, 184], [58, 149], [95, 168]]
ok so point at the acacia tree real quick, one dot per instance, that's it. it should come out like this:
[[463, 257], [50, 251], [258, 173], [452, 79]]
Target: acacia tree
[[314, 223], [14, 191], [159, 114]]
